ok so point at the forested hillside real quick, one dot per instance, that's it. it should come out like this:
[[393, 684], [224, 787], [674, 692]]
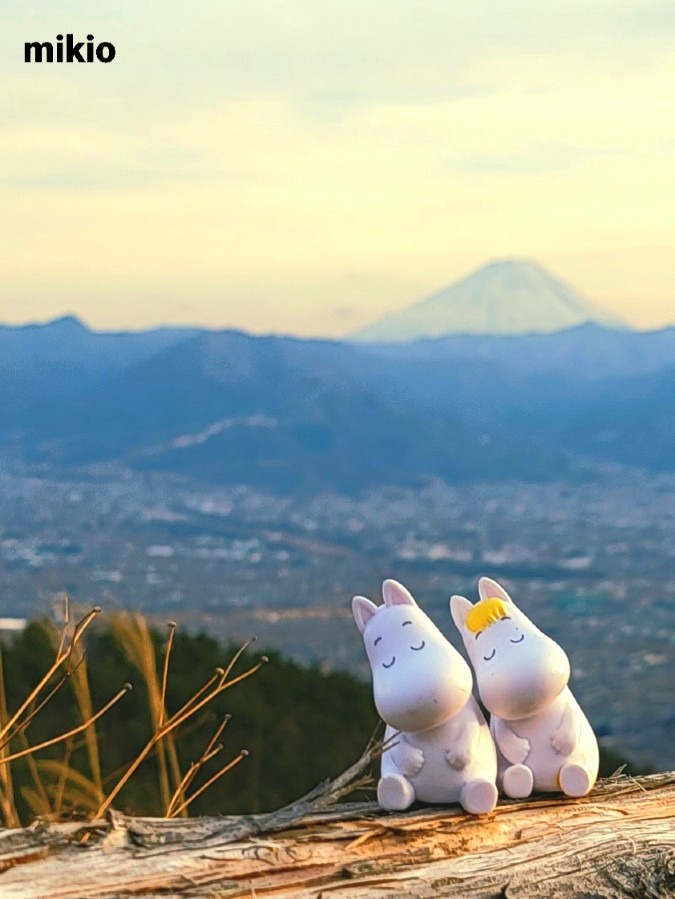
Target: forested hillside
[[298, 725]]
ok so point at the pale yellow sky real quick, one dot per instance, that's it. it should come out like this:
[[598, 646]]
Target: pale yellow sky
[[304, 166]]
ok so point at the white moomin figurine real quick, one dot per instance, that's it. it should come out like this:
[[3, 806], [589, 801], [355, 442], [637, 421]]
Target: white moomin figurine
[[544, 741], [440, 748]]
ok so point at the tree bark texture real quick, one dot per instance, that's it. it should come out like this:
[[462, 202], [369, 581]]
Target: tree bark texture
[[617, 842]]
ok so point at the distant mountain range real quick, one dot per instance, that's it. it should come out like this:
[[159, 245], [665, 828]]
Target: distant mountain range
[[504, 297], [305, 415]]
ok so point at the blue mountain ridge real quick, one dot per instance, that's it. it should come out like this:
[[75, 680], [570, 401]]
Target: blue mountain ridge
[[294, 415]]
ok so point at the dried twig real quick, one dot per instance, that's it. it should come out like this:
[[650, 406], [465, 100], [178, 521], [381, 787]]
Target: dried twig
[[212, 749], [63, 654], [207, 694], [230, 765], [73, 732], [165, 671]]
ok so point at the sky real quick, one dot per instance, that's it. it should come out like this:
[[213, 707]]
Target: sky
[[306, 166]]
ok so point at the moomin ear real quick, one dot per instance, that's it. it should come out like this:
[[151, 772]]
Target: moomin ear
[[489, 589], [363, 610], [459, 609], [395, 594]]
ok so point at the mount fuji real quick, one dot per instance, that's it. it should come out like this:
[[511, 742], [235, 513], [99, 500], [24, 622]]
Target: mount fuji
[[503, 297]]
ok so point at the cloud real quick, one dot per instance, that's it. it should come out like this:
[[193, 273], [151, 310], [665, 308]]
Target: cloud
[[238, 158]]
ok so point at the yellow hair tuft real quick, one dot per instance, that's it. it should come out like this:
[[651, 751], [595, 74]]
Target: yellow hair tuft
[[485, 613]]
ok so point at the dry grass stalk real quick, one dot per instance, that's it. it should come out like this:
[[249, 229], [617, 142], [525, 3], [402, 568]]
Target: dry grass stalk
[[50, 802], [133, 634], [80, 682], [73, 731], [172, 752], [224, 770], [68, 659], [212, 749], [216, 685], [36, 707], [37, 798], [7, 805], [71, 788], [165, 671], [64, 652], [62, 774]]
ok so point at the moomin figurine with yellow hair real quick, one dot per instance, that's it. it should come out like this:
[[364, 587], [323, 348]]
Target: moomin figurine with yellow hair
[[544, 740], [439, 745]]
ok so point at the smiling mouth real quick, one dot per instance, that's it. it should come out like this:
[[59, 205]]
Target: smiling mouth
[[384, 664], [519, 640], [417, 648]]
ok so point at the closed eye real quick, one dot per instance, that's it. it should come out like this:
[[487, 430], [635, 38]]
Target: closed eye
[[519, 640], [384, 664], [491, 656], [417, 648]]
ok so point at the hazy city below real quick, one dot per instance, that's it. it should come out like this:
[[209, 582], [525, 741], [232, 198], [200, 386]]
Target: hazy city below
[[591, 563]]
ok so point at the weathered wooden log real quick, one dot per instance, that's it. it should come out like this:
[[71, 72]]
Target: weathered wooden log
[[617, 842]]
